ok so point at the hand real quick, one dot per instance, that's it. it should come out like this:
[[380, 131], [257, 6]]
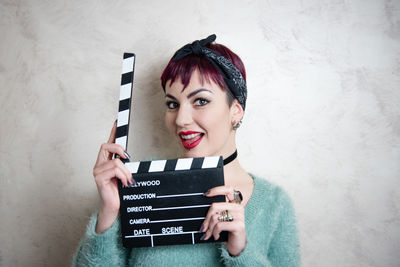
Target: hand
[[236, 228], [106, 171]]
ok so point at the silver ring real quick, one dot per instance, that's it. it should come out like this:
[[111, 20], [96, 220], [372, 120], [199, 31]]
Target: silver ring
[[226, 216], [237, 197]]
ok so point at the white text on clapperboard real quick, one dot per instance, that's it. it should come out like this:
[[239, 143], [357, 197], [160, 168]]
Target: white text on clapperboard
[[141, 232]]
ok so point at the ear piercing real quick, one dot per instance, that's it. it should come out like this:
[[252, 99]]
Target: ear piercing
[[236, 125]]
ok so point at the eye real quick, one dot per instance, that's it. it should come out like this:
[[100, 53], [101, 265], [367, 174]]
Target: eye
[[171, 104], [201, 102]]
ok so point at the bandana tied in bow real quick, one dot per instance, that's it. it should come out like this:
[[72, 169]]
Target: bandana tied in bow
[[232, 76]]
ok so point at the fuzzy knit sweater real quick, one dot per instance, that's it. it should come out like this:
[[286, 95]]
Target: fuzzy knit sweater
[[271, 240]]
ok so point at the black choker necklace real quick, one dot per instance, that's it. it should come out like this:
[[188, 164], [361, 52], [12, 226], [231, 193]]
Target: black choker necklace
[[230, 158]]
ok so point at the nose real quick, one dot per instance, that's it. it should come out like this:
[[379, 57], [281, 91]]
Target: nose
[[184, 116]]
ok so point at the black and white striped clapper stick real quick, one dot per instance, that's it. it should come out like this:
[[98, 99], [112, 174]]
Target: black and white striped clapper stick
[[167, 205], [124, 109]]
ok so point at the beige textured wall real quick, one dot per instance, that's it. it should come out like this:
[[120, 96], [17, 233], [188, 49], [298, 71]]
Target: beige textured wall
[[323, 118]]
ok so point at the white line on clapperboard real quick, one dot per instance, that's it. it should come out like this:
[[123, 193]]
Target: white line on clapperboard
[[193, 232], [182, 207], [179, 220], [151, 236], [181, 195]]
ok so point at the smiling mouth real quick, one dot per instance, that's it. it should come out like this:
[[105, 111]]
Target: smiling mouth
[[191, 139]]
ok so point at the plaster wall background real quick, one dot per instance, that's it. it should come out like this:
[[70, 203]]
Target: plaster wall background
[[322, 119]]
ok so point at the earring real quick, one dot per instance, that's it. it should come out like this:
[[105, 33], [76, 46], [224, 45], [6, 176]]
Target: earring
[[236, 125]]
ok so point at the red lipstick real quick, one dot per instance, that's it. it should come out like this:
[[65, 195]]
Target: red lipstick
[[190, 139]]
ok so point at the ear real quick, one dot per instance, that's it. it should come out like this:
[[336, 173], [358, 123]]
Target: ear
[[236, 111]]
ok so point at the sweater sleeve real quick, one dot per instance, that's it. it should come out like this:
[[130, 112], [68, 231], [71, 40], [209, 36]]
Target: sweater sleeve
[[101, 249], [283, 248], [250, 256]]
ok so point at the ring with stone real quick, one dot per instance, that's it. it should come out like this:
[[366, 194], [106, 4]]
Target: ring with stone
[[225, 216], [237, 196]]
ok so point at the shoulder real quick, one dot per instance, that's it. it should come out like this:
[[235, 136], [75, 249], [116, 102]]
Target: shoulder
[[271, 194]]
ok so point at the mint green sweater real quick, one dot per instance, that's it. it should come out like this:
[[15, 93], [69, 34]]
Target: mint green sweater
[[271, 240]]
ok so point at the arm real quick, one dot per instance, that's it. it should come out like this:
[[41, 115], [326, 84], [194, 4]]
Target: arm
[[102, 245], [281, 248], [250, 256], [284, 247], [101, 249]]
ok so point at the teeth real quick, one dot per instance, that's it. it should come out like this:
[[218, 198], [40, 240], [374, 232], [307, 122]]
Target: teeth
[[190, 136]]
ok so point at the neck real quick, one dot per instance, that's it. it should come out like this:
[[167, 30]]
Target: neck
[[230, 158], [236, 177], [234, 173]]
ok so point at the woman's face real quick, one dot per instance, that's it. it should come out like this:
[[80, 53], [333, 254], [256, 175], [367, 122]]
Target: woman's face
[[199, 116]]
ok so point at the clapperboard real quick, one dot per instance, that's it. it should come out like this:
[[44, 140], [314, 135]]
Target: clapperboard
[[167, 205]]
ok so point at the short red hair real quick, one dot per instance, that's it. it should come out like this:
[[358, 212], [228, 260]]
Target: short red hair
[[185, 67]]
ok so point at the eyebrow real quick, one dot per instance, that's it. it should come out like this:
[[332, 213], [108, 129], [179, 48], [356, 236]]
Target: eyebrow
[[191, 94], [170, 96], [198, 91]]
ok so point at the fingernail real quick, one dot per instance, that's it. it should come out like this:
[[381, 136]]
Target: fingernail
[[127, 155], [201, 228], [203, 236], [133, 181], [206, 193]]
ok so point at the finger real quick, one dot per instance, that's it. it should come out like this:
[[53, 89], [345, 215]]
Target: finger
[[221, 190], [112, 164], [212, 222], [106, 176], [217, 208], [113, 133], [233, 227], [216, 225], [122, 166], [107, 150]]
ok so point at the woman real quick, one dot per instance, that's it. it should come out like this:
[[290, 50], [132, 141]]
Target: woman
[[205, 95]]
